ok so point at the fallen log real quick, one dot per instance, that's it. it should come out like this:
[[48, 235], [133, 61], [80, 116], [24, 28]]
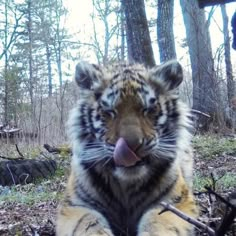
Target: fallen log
[[57, 150], [14, 172]]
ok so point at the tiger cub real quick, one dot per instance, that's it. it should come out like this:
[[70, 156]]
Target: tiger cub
[[131, 150]]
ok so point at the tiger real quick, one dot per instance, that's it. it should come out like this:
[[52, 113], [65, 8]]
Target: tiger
[[131, 142]]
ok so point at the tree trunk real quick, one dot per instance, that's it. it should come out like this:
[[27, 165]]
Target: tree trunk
[[228, 64], [205, 88], [31, 80], [165, 33], [138, 37], [6, 105], [48, 54], [58, 43]]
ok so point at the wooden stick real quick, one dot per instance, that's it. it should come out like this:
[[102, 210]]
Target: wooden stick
[[189, 219]]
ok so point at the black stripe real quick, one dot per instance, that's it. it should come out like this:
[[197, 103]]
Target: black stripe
[[88, 199], [176, 230], [137, 80], [128, 71], [97, 95], [90, 119], [92, 224], [147, 187], [96, 67], [79, 222], [112, 94], [141, 77], [115, 76], [104, 103], [104, 188]]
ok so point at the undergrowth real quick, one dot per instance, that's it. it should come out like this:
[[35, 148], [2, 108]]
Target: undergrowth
[[212, 146], [225, 182]]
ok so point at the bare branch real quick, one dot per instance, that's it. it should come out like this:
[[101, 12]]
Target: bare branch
[[19, 152], [189, 219], [13, 36], [209, 190]]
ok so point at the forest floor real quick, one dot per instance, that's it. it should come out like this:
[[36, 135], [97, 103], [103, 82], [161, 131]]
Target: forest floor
[[31, 209]]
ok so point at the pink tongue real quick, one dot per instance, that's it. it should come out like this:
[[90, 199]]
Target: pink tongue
[[123, 155]]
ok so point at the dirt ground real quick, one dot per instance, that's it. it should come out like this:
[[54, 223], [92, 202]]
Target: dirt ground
[[38, 216]]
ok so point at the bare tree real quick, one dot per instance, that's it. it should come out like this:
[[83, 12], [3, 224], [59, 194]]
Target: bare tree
[[137, 32], [107, 13], [229, 71], [165, 33], [205, 87], [29, 27], [9, 28]]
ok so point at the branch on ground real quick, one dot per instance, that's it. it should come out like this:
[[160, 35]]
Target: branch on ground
[[198, 224], [230, 211]]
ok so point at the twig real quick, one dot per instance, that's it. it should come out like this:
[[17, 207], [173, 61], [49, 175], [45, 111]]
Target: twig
[[229, 216], [18, 150], [7, 158], [11, 175], [10, 159], [189, 219], [26, 177], [220, 198]]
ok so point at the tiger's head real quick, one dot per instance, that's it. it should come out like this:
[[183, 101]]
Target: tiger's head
[[129, 120]]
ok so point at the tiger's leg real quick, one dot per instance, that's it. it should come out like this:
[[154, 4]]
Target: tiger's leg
[[81, 221], [167, 223]]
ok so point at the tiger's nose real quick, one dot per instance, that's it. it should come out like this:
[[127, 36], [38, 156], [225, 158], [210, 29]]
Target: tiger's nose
[[132, 142]]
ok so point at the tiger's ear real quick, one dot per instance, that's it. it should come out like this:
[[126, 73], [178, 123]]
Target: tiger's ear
[[88, 76], [169, 74]]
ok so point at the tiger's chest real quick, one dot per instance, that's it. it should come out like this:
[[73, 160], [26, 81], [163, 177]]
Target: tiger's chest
[[124, 211], [124, 219]]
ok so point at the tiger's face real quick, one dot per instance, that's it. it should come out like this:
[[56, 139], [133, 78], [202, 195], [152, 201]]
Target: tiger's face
[[128, 118]]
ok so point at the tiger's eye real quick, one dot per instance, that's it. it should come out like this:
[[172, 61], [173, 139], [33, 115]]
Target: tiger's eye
[[151, 111], [152, 101], [109, 113]]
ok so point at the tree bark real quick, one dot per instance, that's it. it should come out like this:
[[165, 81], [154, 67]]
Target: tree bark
[[205, 3], [228, 64], [138, 37], [165, 33], [205, 87]]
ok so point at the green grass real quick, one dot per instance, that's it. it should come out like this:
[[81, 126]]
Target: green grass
[[47, 190], [199, 182], [227, 181], [210, 146], [30, 198]]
